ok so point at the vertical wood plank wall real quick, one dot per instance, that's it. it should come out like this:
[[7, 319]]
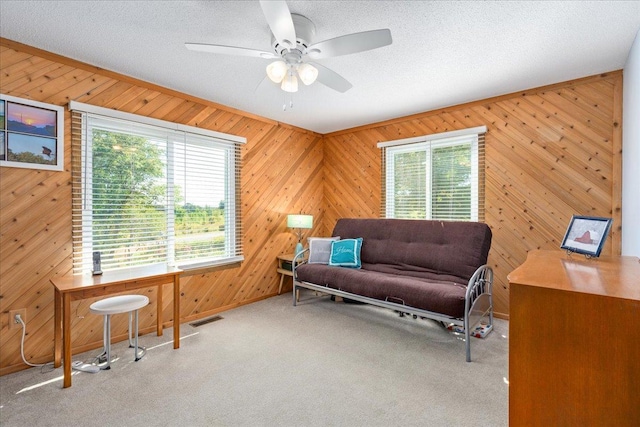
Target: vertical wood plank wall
[[551, 153], [281, 174]]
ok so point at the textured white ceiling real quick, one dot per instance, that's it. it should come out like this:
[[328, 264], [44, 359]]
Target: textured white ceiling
[[443, 53]]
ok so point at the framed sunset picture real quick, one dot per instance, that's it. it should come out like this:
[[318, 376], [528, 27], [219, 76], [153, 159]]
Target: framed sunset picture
[[31, 133]]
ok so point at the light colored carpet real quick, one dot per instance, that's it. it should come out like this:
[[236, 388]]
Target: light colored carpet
[[271, 364]]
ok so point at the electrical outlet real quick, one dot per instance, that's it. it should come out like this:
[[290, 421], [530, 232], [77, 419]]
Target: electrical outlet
[[12, 318]]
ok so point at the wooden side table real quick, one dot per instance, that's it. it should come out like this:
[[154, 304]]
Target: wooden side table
[[285, 267]]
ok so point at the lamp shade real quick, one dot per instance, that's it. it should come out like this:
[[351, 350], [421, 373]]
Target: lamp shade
[[290, 83], [276, 71], [299, 221], [308, 73]]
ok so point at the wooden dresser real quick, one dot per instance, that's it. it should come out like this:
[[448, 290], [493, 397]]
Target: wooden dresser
[[574, 341]]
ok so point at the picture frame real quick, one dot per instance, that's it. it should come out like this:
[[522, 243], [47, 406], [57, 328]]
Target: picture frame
[[586, 235], [31, 134]]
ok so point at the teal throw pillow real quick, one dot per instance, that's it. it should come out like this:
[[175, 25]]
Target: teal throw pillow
[[346, 253]]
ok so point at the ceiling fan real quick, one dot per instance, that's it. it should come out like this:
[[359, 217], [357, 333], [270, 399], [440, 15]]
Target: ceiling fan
[[295, 50]]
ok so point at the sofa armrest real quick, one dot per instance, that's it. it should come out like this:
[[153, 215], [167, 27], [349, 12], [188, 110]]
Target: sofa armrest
[[478, 301], [300, 256]]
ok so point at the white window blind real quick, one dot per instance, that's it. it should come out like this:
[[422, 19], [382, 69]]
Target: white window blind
[[434, 177], [144, 193]]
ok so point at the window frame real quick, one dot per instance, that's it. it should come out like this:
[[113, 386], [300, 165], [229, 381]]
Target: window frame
[[230, 146], [427, 143]]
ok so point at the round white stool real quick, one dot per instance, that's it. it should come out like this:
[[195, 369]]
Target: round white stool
[[116, 305]]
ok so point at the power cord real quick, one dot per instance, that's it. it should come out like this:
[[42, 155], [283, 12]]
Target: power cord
[[24, 333]]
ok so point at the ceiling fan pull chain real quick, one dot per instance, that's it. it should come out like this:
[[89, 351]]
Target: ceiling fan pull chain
[[284, 101]]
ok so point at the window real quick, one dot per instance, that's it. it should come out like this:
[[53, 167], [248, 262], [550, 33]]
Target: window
[[147, 191], [434, 177]]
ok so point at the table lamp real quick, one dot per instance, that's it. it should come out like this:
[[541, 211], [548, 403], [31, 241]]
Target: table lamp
[[299, 222]]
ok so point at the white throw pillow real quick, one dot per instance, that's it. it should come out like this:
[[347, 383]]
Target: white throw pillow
[[320, 249]]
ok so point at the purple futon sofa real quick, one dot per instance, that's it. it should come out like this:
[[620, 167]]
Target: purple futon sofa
[[432, 269]]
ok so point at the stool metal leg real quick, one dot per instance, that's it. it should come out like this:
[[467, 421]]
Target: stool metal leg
[[101, 358], [138, 354], [130, 330], [108, 343], [106, 336]]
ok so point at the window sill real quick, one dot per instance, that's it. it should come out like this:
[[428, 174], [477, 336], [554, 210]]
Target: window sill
[[202, 268]]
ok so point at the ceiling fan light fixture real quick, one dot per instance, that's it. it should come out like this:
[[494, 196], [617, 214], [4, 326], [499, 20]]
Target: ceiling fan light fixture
[[290, 83], [276, 71], [308, 73], [293, 44]]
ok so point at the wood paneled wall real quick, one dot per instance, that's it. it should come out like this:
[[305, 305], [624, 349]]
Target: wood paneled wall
[[551, 153], [282, 173]]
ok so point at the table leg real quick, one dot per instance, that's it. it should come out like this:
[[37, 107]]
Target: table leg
[[159, 314], [176, 311], [57, 328], [66, 337], [281, 281]]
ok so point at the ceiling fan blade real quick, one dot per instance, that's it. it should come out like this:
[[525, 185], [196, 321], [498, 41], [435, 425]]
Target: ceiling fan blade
[[230, 50], [260, 84], [351, 43], [331, 79], [280, 22]]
